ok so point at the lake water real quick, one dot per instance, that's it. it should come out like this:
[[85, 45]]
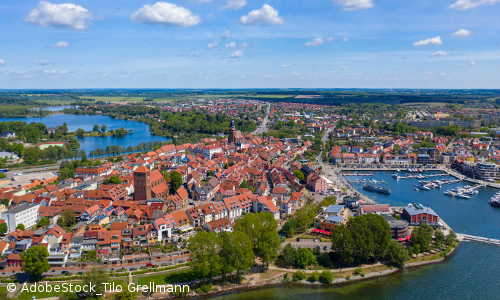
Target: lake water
[[140, 134], [470, 273]]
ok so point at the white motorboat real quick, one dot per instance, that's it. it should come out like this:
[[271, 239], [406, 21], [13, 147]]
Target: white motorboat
[[460, 195]]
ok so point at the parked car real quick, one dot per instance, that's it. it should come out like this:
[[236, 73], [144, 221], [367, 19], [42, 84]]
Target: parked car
[[132, 269], [325, 248], [150, 264]]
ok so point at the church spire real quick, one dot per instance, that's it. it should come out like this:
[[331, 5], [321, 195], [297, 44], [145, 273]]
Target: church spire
[[232, 124]]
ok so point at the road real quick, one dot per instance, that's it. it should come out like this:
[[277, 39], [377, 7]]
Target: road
[[263, 128]]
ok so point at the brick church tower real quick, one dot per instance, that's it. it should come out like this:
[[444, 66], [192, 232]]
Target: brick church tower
[[234, 135], [142, 183]]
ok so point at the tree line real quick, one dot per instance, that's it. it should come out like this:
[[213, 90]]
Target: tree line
[[254, 236]]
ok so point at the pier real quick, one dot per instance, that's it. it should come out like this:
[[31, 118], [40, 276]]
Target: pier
[[363, 181], [358, 174], [466, 237]]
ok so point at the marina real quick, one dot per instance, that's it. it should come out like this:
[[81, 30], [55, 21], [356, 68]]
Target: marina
[[462, 276]]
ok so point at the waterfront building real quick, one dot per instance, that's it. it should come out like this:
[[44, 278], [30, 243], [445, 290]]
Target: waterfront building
[[481, 170], [417, 214], [399, 228], [379, 209]]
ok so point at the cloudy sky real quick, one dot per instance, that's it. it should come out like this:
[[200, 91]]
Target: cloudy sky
[[250, 44]]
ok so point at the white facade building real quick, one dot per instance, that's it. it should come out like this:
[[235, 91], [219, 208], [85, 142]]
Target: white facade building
[[25, 214]]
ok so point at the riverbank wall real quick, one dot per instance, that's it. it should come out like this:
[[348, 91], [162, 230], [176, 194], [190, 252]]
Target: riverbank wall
[[334, 282]]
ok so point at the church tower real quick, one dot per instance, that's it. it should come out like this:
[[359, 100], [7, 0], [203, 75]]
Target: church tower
[[142, 183]]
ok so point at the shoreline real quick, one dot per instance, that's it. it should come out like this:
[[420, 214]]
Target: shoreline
[[337, 281]]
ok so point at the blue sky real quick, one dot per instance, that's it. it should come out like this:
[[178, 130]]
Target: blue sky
[[250, 44]]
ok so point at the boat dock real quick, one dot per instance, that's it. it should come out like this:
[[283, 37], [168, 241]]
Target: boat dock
[[357, 174], [420, 176], [364, 181], [466, 237]]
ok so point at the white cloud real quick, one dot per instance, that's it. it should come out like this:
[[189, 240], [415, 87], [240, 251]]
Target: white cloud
[[330, 39], [315, 42], [440, 53], [2, 62], [266, 16], [225, 35], [234, 4], [461, 33], [230, 45], [295, 74], [244, 45], [65, 15], [468, 4], [472, 63], [354, 4], [213, 45], [345, 40], [237, 54], [61, 44], [429, 42], [164, 13], [287, 66], [43, 63], [203, 1], [442, 74], [344, 68], [54, 72]]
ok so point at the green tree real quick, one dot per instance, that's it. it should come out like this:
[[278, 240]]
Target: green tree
[[304, 258], [103, 128], [450, 239], [288, 255], [242, 254], [3, 228], [422, 236], [68, 217], [299, 175], [244, 185], [438, 238], [397, 254], [80, 132], [175, 181], [113, 179], [125, 294], [204, 251], [35, 262], [314, 277], [6, 201], [97, 276], [326, 277], [20, 227], [96, 128], [42, 222]]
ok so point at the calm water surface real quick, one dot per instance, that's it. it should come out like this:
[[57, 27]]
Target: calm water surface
[[472, 272], [140, 134]]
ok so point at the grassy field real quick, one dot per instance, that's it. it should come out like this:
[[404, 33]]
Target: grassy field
[[28, 295], [176, 277]]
